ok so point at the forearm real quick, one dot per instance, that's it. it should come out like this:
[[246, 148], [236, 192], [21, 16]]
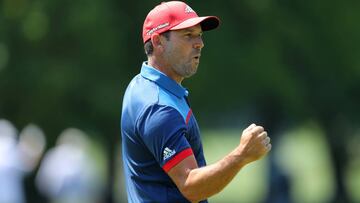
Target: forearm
[[204, 182], [200, 183]]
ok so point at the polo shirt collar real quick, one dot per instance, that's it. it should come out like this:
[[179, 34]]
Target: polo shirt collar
[[162, 80]]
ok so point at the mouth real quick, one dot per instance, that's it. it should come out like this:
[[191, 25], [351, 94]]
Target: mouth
[[197, 57]]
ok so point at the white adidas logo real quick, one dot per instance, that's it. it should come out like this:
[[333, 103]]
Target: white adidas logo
[[188, 9], [168, 153]]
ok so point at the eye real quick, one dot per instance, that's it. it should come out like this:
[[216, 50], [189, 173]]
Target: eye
[[188, 35]]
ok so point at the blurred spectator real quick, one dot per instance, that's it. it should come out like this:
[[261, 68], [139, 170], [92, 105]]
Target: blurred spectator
[[18, 156], [69, 172]]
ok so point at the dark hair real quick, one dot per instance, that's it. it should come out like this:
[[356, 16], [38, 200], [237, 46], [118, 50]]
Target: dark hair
[[148, 46]]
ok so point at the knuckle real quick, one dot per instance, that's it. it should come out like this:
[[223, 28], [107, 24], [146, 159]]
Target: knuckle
[[261, 136]]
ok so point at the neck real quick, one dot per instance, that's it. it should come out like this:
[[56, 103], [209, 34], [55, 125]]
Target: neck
[[165, 68]]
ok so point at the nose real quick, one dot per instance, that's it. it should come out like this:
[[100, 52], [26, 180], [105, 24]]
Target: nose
[[199, 44]]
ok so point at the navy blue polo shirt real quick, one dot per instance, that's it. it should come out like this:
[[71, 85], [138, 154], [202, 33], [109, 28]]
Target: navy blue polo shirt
[[158, 131]]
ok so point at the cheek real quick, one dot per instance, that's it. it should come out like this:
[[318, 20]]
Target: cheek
[[178, 52], [184, 53], [170, 49]]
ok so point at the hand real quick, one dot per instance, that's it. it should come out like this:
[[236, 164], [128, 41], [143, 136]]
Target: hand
[[254, 143]]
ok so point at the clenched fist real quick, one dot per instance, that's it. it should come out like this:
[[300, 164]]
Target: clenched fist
[[254, 143]]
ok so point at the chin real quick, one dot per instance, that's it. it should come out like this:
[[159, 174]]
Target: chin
[[189, 74]]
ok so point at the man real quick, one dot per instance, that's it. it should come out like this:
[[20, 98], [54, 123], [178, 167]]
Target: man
[[161, 147]]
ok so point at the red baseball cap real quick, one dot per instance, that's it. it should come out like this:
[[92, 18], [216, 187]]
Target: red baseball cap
[[175, 15]]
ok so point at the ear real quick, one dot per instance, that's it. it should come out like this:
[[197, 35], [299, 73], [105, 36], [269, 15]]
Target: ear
[[156, 41]]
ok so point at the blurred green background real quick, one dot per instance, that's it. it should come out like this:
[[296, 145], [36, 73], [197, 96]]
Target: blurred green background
[[291, 66]]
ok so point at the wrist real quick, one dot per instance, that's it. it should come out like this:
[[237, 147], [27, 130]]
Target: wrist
[[239, 157]]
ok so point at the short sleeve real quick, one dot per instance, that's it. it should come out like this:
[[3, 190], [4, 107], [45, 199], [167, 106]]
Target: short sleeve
[[162, 129]]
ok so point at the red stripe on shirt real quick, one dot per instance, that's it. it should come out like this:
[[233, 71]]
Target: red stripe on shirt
[[177, 159], [188, 116]]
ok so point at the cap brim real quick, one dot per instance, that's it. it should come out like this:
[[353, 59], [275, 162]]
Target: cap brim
[[206, 23]]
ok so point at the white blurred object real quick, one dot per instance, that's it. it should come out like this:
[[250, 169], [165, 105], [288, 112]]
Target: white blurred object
[[32, 144], [68, 173], [11, 189], [17, 158]]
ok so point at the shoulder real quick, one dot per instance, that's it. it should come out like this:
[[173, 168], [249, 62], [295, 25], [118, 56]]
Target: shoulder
[[160, 121], [158, 116], [140, 94], [142, 90]]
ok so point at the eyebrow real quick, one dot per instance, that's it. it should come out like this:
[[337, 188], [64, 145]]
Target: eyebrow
[[191, 30]]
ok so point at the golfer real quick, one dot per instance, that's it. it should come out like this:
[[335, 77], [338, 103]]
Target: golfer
[[161, 146]]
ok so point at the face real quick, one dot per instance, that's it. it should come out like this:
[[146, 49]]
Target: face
[[182, 51]]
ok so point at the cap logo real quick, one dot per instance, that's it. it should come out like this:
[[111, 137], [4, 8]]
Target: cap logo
[[157, 28], [188, 9]]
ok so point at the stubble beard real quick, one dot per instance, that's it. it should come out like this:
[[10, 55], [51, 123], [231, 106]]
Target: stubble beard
[[186, 70]]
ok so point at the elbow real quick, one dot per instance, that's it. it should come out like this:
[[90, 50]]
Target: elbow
[[190, 195], [193, 195], [197, 195]]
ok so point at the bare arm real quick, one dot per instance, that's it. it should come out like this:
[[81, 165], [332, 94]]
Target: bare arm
[[197, 184]]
